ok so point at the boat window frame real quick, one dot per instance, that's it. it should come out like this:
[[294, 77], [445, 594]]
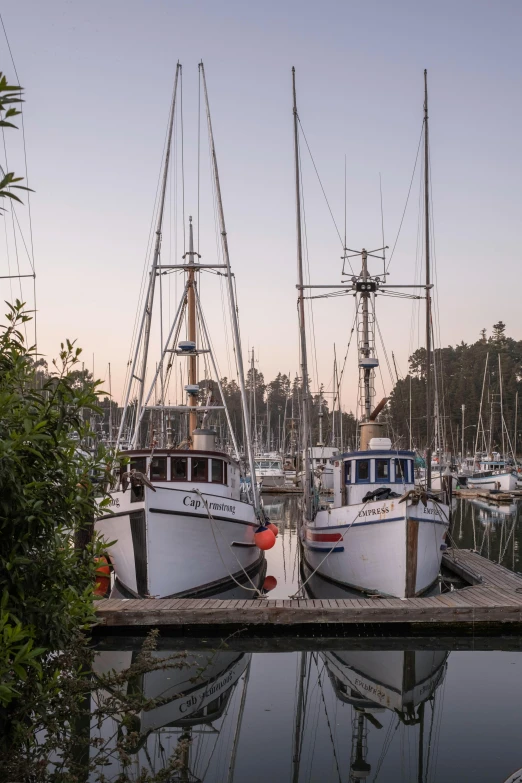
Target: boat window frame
[[173, 477], [203, 460], [398, 478], [348, 471], [141, 460], [222, 480], [383, 480], [360, 480], [166, 468]]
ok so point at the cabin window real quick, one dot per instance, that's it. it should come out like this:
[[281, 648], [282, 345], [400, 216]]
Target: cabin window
[[218, 471], [139, 463], [382, 470], [199, 469], [401, 470], [158, 469], [363, 470], [178, 468], [347, 471]]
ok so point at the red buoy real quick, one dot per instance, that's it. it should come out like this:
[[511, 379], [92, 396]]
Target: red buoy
[[264, 538], [270, 583], [103, 576], [273, 528]]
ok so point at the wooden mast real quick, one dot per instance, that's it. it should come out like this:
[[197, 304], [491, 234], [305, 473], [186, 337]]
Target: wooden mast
[[302, 324], [428, 284], [191, 320]]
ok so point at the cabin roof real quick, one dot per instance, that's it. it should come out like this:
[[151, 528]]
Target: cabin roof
[[177, 453], [386, 453]]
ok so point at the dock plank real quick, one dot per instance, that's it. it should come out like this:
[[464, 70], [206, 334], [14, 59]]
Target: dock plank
[[493, 597]]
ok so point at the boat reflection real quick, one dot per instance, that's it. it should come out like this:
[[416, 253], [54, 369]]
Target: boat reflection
[[178, 715], [369, 682], [384, 689]]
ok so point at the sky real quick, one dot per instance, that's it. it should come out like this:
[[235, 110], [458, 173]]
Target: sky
[[98, 80]]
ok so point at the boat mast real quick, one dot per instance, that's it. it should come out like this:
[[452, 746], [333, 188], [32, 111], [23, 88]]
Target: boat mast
[[157, 250], [367, 370], [320, 416], [428, 284], [191, 320], [233, 308], [302, 323], [145, 325]]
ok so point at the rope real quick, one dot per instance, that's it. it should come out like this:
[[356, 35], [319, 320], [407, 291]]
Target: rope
[[252, 589]]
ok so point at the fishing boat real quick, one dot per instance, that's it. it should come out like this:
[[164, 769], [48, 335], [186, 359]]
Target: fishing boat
[[382, 534], [321, 466], [269, 470], [492, 472], [180, 523]]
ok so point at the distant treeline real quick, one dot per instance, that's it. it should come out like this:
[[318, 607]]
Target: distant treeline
[[460, 375], [275, 406]]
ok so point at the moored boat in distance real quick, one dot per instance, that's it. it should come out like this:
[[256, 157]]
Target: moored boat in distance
[[269, 470], [492, 472]]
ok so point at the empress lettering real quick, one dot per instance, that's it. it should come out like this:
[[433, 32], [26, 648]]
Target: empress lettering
[[371, 512]]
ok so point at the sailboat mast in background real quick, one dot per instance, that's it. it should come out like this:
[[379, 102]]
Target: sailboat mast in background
[[302, 323], [429, 412]]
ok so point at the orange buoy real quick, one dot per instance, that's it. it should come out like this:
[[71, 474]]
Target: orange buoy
[[103, 576], [269, 583], [264, 538], [273, 528]]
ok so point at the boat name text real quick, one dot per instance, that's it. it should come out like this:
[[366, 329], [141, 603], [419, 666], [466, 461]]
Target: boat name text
[[212, 506], [370, 512]]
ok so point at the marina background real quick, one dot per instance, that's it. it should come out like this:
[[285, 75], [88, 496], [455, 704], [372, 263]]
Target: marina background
[[96, 77]]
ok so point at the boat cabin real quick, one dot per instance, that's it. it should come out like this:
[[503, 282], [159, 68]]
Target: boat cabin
[[322, 455], [268, 462], [178, 468], [489, 467], [358, 472]]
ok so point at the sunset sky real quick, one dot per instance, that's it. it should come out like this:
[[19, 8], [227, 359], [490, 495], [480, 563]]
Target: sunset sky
[[98, 79]]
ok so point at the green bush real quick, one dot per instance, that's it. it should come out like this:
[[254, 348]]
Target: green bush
[[51, 487]]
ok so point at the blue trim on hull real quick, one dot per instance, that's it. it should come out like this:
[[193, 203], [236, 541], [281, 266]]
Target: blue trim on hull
[[377, 522], [325, 549]]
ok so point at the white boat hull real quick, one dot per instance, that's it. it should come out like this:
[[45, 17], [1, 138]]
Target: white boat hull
[[383, 547], [167, 545], [266, 481], [505, 482]]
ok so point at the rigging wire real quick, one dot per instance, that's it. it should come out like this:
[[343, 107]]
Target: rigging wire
[[14, 238], [199, 142], [182, 159], [407, 198], [146, 266], [307, 257], [31, 257], [320, 182]]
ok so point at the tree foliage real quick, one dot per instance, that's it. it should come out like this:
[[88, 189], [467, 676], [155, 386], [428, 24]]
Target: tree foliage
[[461, 374], [48, 489]]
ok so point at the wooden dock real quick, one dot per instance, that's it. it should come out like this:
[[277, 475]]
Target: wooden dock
[[493, 597], [492, 497]]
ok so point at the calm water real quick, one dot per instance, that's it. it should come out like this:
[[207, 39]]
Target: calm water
[[306, 710]]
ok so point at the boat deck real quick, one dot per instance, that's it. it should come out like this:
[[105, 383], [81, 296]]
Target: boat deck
[[493, 596]]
